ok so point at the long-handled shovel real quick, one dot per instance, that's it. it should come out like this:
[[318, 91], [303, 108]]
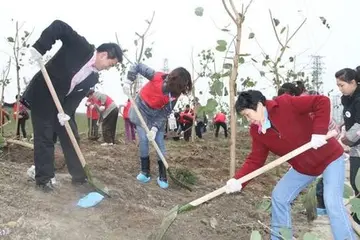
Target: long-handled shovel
[[171, 175], [90, 124], [93, 181], [172, 214]]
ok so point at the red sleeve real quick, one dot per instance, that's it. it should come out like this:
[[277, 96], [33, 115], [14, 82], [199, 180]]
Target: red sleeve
[[256, 158], [318, 106]]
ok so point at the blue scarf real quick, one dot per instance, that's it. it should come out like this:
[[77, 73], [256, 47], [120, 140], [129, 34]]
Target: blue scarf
[[267, 124]]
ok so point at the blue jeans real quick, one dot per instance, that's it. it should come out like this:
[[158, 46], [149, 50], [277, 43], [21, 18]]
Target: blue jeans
[[144, 142], [293, 182]]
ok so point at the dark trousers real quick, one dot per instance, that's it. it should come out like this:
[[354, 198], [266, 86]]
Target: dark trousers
[[187, 131], [94, 131], [109, 126], [46, 126], [223, 125], [22, 125], [199, 129]]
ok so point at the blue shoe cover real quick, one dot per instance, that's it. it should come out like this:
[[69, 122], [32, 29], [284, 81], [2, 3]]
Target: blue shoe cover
[[142, 178], [321, 211], [162, 184]]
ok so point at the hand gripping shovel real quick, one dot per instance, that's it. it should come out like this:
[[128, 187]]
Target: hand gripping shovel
[[172, 214], [98, 185], [171, 175]]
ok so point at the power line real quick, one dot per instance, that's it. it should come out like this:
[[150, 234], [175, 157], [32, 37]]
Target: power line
[[317, 72]]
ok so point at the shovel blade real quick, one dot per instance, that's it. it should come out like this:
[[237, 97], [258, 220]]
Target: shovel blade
[[98, 185], [166, 222]]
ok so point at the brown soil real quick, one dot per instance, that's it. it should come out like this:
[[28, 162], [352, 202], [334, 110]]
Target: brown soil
[[136, 210]]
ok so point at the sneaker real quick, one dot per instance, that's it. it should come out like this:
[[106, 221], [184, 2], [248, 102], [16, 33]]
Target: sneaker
[[143, 178], [162, 183], [47, 187]]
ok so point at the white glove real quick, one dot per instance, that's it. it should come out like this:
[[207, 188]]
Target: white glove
[[233, 185], [127, 87], [62, 117], [318, 140], [91, 106], [35, 55], [15, 113], [152, 134], [102, 108]]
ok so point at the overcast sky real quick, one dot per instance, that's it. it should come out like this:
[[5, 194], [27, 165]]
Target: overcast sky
[[177, 30]]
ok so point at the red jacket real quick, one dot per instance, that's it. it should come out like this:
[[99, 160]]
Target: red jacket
[[20, 111], [152, 93], [126, 110], [186, 117], [220, 117], [92, 113], [294, 127]]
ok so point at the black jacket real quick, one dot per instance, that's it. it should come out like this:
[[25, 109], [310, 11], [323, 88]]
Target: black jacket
[[351, 111], [74, 53]]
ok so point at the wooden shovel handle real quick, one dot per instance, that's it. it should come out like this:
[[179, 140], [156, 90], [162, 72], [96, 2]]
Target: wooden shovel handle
[[261, 170], [60, 110], [143, 123]]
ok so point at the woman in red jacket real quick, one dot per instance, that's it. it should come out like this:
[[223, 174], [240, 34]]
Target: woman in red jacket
[[280, 126], [155, 101]]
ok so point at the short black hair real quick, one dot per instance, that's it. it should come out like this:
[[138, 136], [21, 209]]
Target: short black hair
[[289, 88], [301, 86], [249, 100], [348, 74], [91, 91], [113, 50]]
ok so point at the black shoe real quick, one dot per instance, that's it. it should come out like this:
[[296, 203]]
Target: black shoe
[[47, 187], [79, 182]]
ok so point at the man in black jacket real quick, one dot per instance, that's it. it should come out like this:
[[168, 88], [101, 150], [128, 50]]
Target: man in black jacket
[[73, 71]]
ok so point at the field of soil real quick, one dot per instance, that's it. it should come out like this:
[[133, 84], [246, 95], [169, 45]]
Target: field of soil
[[136, 210]]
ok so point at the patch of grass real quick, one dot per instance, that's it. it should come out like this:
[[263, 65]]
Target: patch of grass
[[185, 176]]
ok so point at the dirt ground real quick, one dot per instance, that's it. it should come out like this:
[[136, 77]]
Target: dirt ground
[[136, 210]]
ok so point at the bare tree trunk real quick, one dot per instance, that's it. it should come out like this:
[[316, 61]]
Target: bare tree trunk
[[16, 50], [2, 106], [238, 20], [232, 101]]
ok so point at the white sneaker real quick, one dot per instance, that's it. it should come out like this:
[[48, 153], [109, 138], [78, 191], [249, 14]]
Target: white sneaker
[[31, 172], [53, 181], [107, 144]]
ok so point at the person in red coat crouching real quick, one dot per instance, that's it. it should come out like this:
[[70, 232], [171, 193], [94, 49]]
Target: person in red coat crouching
[[280, 126]]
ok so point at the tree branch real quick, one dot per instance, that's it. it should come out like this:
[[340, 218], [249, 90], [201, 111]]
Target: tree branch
[[142, 37], [274, 28], [228, 11]]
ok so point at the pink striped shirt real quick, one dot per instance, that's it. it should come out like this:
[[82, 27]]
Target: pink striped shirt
[[83, 73]]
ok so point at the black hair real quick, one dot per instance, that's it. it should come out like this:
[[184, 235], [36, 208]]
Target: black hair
[[113, 50], [289, 88], [348, 74], [313, 92], [300, 86], [249, 100], [91, 91], [179, 81]]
